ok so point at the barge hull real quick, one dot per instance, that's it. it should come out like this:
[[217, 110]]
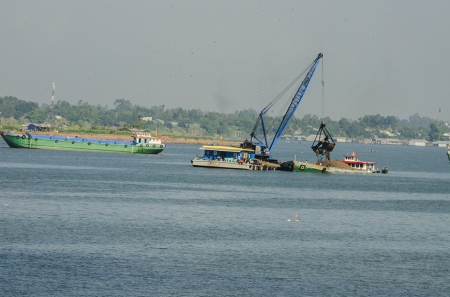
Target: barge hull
[[79, 144]]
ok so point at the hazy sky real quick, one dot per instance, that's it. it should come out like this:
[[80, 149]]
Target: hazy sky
[[388, 57]]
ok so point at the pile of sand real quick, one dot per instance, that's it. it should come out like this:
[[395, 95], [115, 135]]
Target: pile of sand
[[272, 166], [335, 163]]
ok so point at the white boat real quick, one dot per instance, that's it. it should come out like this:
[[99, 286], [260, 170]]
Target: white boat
[[448, 151]]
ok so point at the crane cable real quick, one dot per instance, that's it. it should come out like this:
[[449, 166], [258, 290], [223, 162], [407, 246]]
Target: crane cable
[[288, 87], [323, 93], [288, 101]]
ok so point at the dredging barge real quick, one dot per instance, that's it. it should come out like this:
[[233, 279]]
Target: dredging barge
[[255, 154]]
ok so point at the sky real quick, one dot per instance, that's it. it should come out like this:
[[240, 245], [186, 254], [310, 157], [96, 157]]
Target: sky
[[387, 57]]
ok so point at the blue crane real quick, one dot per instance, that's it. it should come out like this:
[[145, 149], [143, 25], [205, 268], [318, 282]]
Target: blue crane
[[265, 149]]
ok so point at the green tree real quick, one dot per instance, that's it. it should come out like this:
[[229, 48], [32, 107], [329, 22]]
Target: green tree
[[37, 116], [139, 124], [123, 105], [408, 133], [210, 123], [435, 132], [354, 130], [12, 107], [344, 124]]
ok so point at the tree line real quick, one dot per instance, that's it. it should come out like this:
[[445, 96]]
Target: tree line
[[195, 122]]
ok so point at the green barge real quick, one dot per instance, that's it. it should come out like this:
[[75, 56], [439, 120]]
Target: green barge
[[140, 144]]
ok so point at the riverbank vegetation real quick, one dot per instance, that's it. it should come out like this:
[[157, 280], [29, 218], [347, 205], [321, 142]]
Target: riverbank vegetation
[[178, 122]]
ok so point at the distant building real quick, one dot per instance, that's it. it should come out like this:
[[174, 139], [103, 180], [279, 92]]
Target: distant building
[[147, 119], [340, 139], [311, 137], [368, 141], [385, 132], [441, 143], [417, 142], [134, 130], [299, 137], [392, 141], [39, 127]]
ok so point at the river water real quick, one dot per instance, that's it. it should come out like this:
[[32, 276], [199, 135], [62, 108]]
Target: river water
[[104, 224]]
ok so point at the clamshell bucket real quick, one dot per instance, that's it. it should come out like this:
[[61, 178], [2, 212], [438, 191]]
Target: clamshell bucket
[[323, 143]]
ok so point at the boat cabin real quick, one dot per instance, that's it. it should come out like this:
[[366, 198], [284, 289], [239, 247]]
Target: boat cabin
[[146, 139], [227, 153], [353, 161]]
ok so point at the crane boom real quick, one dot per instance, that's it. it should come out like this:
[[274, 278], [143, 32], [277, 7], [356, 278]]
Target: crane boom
[[288, 115], [295, 102]]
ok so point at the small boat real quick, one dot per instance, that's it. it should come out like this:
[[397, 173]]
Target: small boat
[[353, 161], [231, 157], [142, 143], [448, 151]]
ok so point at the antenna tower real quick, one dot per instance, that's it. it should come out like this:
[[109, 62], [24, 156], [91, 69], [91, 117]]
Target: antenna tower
[[53, 93]]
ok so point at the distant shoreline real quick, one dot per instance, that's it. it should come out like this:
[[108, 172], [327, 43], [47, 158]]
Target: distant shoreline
[[192, 140]]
